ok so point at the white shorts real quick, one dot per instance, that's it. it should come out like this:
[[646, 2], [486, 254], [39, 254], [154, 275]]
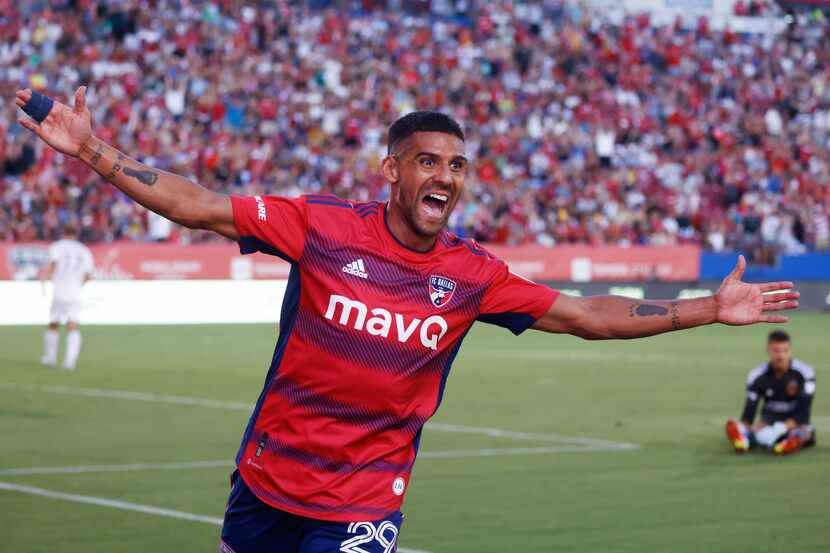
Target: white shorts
[[768, 436], [62, 311]]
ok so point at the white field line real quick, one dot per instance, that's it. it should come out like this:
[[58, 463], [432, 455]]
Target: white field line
[[131, 396], [451, 454], [115, 504], [238, 406], [498, 451], [565, 355], [28, 471], [497, 433], [583, 356], [127, 506]]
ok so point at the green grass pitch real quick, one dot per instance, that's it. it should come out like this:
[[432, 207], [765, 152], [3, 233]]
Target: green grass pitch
[[680, 490]]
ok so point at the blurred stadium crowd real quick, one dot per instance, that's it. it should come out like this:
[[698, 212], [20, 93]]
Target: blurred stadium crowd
[[580, 130]]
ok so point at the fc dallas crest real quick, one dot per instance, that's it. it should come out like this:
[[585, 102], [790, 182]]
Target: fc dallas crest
[[441, 290]]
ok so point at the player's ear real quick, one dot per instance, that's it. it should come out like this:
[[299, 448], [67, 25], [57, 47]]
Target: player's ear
[[391, 168]]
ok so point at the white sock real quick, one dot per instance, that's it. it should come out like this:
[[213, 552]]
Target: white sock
[[50, 346], [744, 430], [73, 348]]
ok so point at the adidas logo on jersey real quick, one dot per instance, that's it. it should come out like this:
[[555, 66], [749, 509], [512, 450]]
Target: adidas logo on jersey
[[356, 268]]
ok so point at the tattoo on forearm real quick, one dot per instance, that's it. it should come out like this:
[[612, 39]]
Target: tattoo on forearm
[[147, 177], [651, 310], [96, 157], [647, 310], [117, 167], [675, 316]]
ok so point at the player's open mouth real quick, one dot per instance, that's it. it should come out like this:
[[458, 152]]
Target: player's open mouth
[[435, 203]]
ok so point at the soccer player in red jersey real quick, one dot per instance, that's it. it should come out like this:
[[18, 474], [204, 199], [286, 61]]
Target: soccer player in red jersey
[[379, 299]]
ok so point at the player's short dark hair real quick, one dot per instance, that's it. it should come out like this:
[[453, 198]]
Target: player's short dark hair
[[778, 336], [69, 229], [422, 121]]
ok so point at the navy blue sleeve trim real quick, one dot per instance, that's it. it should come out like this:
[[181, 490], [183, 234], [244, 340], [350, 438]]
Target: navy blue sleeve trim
[[330, 202], [250, 244], [514, 322], [367, 206]]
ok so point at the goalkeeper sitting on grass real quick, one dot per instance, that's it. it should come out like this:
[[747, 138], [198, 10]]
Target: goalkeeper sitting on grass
[[787, 386]]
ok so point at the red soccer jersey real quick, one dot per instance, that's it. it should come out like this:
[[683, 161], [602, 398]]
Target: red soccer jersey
[[368, 331]]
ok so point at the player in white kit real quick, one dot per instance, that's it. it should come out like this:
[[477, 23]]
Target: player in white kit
[[70, 267]]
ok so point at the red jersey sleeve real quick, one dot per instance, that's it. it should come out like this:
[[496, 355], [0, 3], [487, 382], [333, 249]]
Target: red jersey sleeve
[[271, 224], [514, 302]]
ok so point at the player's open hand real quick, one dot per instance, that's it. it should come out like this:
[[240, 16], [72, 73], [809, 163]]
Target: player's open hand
[[741, 303], [65, 129]]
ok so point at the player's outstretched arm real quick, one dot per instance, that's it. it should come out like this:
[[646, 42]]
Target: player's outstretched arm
[[608, 317], [69, 130]]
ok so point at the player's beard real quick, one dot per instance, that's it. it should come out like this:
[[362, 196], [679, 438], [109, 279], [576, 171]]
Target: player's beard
[[417, 227], [408, 203]]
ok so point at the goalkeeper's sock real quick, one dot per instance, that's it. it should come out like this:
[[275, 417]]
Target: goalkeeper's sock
[[50, 347], [73, 349]]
